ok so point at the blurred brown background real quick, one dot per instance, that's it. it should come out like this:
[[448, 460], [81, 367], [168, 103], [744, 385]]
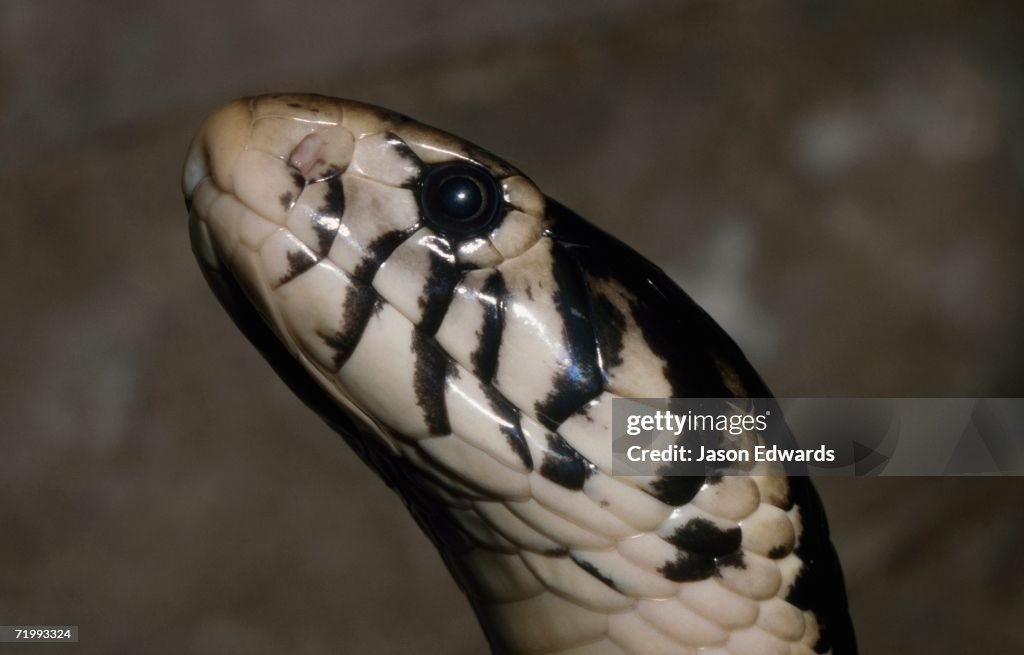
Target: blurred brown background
[[840, 184]]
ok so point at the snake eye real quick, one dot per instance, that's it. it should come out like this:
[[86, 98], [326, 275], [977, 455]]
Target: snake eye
[[460, 199]]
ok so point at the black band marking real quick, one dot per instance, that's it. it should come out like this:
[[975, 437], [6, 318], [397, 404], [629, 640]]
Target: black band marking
[[287, 199], [328, 216], [702, 536], [510, 417], [492, 299], [580, 381], [379, 250], [439, 287], [299, 261], [676, 490], [360, 303], [403, 150], [689, 567], [563, 465], [433, 367]]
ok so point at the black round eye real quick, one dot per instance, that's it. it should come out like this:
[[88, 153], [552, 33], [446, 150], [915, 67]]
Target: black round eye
[[460, 199]]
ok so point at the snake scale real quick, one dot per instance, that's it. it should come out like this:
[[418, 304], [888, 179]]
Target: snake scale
[[466, 335]]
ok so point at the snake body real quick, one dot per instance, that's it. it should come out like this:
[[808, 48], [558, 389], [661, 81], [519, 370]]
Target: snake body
[[466, 335]]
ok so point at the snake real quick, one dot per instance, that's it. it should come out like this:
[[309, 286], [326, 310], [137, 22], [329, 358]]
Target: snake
[[466, 335]]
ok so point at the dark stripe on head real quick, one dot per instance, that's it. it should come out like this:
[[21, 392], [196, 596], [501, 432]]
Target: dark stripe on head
[[401, 147], [674, 327], [433, 367], [563, 465], [359, 304], [439, 286], [689, 567], [328, 216], [492, 299], [594, 571], [687, 369], [299, 261], [379, 250], [702, 536], [287, 199], [580, 380], [510, 417], [403, 150]]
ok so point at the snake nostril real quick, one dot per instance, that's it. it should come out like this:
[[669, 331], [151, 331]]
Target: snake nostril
[[305, 156]]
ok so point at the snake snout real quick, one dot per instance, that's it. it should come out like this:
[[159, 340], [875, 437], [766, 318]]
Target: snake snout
[[215, 147]]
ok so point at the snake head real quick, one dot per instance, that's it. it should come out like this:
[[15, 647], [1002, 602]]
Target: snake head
[[468, 335], [434, 292]]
